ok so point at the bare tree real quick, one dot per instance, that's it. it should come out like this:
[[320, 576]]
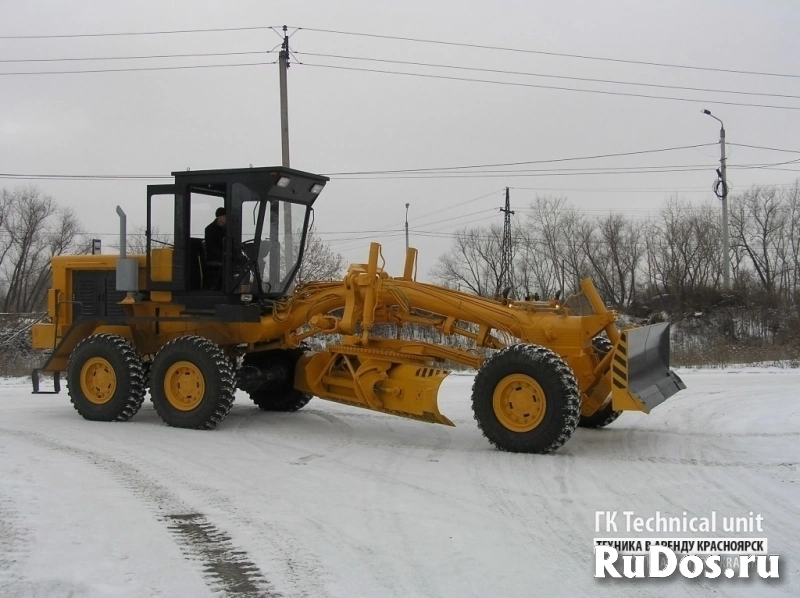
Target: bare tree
[[614, 250], [682, 249], [791, 199], [550, 248], [320, 262], [35, 230], [759, 222], [474, 261], [136, 240]]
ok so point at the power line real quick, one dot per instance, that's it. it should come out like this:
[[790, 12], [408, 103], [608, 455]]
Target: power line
[[150, 68], [450, 172], [550, 161], [84, 177], [460, 204], [545, 53], [766, 166], [147, 57], [470, 175], [555, 87], [392, 231], [761, 147], [584, 169], [79, 177], [450, 219], [548, 174], [501, 174], [548, 76], [401, 38], [131, 33], [450, 206]]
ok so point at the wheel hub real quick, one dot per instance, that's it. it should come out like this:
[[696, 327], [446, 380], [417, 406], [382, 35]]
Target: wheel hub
[[98, 380], [184, 385], [519, 403]]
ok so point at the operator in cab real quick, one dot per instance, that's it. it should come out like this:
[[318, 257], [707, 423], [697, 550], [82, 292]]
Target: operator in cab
[[214, 246], [215, 237]]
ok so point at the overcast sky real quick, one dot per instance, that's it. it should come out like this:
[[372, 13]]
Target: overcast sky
[[155, 122]]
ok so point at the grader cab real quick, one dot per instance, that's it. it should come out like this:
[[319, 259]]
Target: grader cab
[[192, 330]]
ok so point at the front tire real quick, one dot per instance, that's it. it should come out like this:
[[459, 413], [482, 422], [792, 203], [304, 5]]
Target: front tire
[[526, 400], [105, 378], [192, 383]]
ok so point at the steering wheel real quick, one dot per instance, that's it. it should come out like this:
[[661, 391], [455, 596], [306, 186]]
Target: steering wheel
[[246, 251]]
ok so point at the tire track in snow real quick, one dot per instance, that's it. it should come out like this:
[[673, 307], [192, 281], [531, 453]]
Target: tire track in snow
[[340, 437], [225, 569], [303, 569]]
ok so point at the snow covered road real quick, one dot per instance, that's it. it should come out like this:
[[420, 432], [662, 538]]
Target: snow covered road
[[335, 501]]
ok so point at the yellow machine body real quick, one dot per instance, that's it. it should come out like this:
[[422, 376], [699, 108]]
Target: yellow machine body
[[395, 376], [194, 329]]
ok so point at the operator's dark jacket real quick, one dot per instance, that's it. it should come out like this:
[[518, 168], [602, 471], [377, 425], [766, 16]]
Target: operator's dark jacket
[[215, 241]]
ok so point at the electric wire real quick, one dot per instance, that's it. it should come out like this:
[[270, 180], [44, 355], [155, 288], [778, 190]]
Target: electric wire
[[546, 53], [135, 33], [144, 57], [554, 87], [761, 147], [548, 76], [134, 69], [401, 38], [549, 161]]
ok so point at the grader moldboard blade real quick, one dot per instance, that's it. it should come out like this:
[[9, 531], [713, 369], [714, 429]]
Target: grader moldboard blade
[[640, 374]]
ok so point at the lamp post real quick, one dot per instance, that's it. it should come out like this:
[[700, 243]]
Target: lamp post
[[721, 191], [407, 227]]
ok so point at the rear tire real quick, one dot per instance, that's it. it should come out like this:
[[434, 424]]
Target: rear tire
[[606, 414], [526, 400], [289, 402], [600, 418], [278, 393], [105, 378], [192, 383]]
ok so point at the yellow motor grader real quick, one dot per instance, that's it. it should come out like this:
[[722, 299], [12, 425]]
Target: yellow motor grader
[[192, 329]]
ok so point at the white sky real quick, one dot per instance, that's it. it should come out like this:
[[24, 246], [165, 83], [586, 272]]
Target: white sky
[[134, 123]]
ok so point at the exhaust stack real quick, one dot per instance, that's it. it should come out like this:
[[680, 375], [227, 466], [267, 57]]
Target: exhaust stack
[[127, 268]]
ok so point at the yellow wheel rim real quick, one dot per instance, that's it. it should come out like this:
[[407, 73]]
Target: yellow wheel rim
[[519, 403], [98, 380], [184, 385]]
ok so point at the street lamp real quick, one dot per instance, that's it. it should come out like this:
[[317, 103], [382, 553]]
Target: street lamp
[[721, 190], [407, 227]]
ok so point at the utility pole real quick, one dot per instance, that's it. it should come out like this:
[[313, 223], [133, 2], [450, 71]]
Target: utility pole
[[721, 191], [506, 272], [407, 227], [283, 67]]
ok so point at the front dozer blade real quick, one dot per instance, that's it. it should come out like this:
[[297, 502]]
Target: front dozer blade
[[640, 374]]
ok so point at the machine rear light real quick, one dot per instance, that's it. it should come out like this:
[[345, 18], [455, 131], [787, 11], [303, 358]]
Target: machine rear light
[[316, 188], [284, 181]]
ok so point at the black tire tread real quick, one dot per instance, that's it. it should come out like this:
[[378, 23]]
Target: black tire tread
[[288, 403], [553, 373], [280, 395], [131, 381], [206, 418]]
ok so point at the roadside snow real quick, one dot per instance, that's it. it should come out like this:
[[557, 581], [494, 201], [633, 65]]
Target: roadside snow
[[335, 501]]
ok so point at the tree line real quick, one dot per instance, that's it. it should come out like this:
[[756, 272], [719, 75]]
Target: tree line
[[671, 260], [666, 266]]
